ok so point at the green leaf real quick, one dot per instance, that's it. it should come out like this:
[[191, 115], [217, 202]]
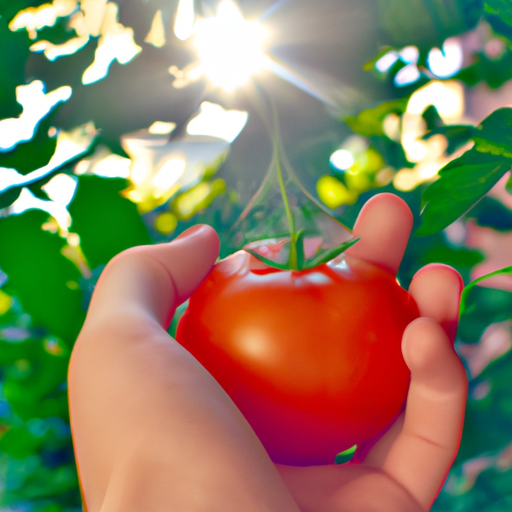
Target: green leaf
[[494, 71], [9, 196], [425, 23], [457, 135], [470, 286], [345, 456], [32, 381], [455, 257], [502, 8], [299, 244], [267, 261], [384, 50], [39, 275], [490, 212], [461, 184], [432, 118], [328, 254], [490, 306], [106, 222], [13, 57], [47, 483], [500, 27], [465, 180], [494, 134], [369, 122], [35, 153], [19, 442]]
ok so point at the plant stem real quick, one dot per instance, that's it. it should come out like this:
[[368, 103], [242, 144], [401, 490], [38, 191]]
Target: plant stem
[[292, 259]]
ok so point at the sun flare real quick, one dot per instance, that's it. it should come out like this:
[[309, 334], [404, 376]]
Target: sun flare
[[229, 48]]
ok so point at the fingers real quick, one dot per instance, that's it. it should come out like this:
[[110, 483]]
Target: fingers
[[383, 226], [427, 444], [151, 281], [436, 289]]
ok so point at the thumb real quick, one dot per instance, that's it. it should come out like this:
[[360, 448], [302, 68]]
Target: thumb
[[151, 281]]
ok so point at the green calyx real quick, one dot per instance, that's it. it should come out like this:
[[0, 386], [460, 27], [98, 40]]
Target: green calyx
[[296, 257]]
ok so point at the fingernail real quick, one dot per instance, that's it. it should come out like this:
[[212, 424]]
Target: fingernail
[[432, 266], [190, 231]]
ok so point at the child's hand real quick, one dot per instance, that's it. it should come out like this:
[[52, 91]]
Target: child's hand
[[152, 430]]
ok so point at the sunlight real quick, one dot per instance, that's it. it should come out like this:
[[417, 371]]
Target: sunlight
[[156, 34], [447, 97], [116, 43], [229, 47], [53, 51], [215, 121], [428, 155], [160, 167], [161, 128], [167, 176], [33, 19], [36, 104], [185, 18], [61, 188]]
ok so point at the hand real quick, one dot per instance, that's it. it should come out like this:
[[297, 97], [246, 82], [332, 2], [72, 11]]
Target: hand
[[403, 470], [152, 430]]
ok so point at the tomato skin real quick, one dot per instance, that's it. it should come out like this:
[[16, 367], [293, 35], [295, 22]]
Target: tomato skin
[[311, 358]]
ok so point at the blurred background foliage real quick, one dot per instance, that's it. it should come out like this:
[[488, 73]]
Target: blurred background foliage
[[124, 123]]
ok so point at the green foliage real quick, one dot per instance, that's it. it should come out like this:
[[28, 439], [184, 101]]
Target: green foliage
[[503, 8], [45, 281], [465, 180], [427, 23], [12, 64], [369, 122], [33, 154], [461, 184], [457, 135], [106, 222]]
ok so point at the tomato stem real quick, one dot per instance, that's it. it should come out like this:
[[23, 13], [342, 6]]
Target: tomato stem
[[293, 257]]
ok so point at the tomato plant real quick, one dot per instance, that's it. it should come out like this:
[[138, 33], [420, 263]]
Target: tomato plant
[[312, 358]]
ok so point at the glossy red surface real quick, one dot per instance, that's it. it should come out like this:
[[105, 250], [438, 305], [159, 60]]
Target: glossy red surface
[[311, 358]]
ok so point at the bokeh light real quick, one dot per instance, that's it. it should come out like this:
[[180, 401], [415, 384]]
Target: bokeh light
[[447, 61], [342, 159]]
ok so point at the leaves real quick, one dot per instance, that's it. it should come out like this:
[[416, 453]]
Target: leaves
[[106, 222], [490, 212], [369, 121], [469, 287], [503, 8], [9, 196], [494, 71], [12, 66], [43, 279], [36, 153], [465, 180], [461, 184], [456, 134]]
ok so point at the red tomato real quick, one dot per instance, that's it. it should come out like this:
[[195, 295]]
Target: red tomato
[[311, 358]]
